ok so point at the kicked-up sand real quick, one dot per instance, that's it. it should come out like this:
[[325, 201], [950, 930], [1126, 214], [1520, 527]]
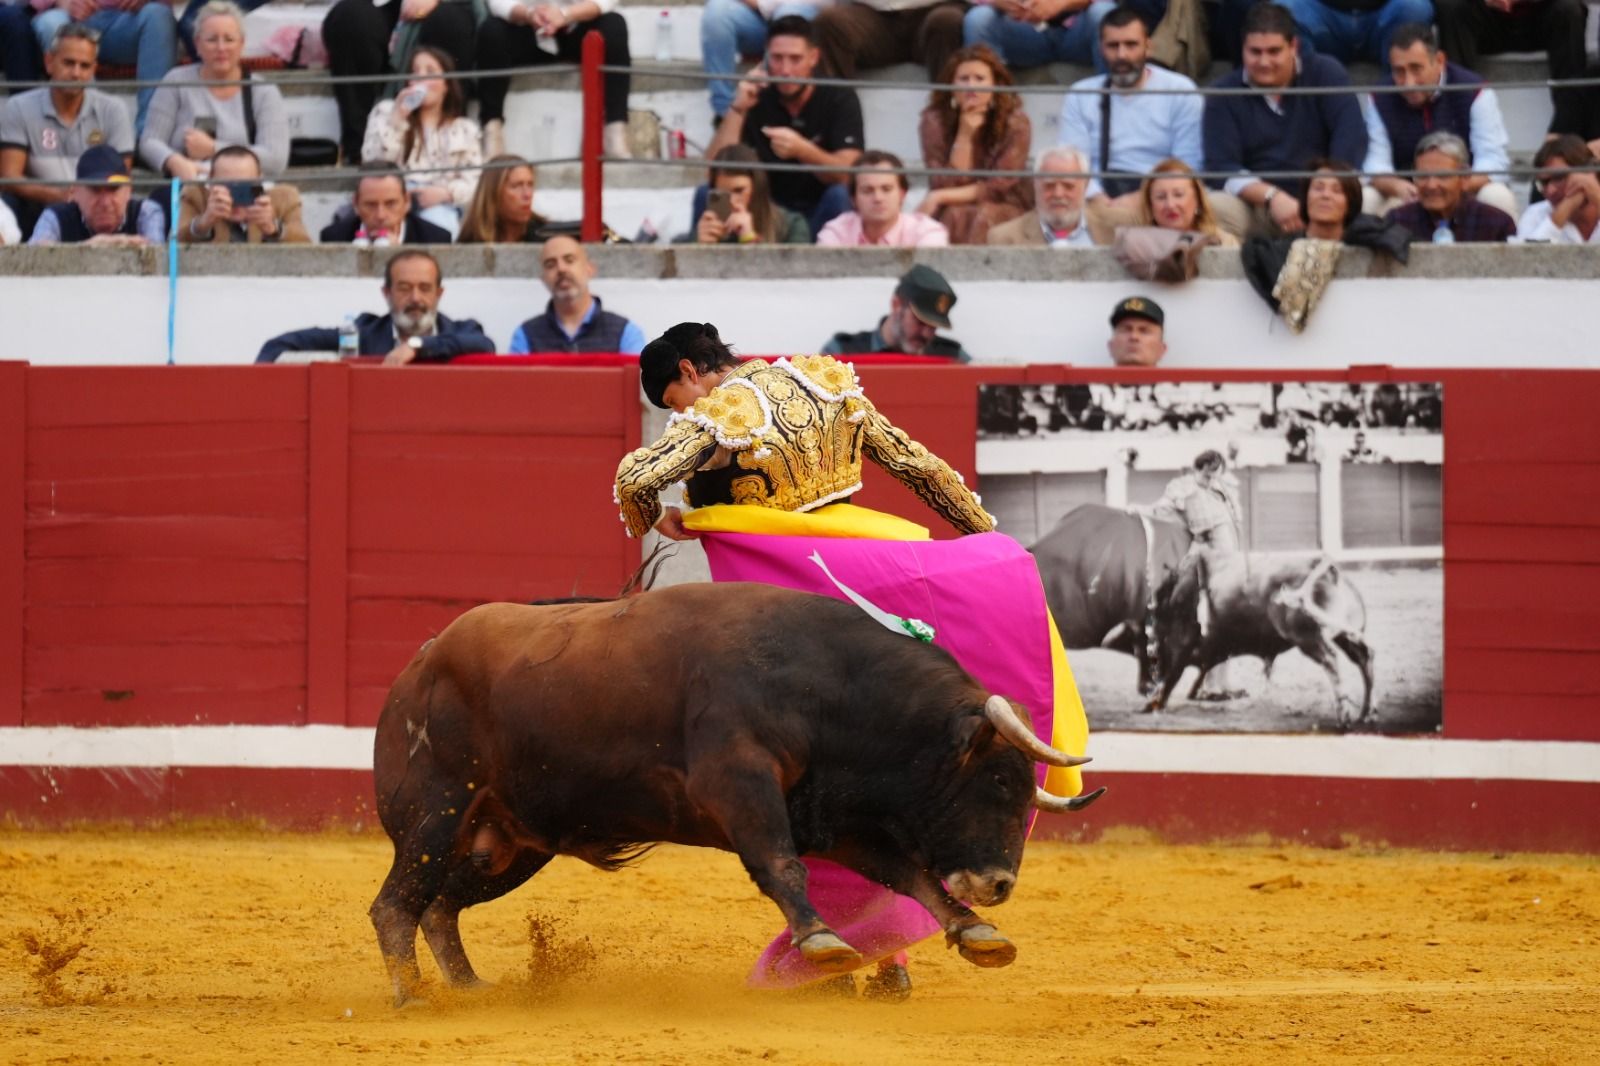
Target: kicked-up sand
[[237, 946]]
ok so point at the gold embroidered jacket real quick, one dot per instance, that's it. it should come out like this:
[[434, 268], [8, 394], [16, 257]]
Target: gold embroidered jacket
[[794, 434]]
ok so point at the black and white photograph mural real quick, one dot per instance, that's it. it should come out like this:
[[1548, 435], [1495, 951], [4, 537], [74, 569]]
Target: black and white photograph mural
[[1233, 556]]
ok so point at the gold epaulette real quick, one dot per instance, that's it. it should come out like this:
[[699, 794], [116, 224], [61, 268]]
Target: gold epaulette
[[824, 376], [736, 413]]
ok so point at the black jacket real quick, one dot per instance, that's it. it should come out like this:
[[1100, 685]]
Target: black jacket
[[418, 230], [463, 337]]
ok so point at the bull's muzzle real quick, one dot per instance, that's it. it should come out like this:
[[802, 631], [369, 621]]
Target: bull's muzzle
[[1010, 725], [986, 888]]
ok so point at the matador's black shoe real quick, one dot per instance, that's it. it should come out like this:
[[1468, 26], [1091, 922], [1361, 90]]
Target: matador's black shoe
[[891, 984]]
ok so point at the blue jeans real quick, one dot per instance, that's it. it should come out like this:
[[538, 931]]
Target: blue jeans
[[1021, 45], [147, 38], [19, 58], [191, 11], [1350, 37], [731, 28]]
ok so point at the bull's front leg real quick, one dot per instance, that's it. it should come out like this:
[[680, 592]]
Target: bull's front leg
[[979, 942], [748, 804]]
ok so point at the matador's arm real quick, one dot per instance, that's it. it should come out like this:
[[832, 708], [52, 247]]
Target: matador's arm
[[924, 473], [645, 472]]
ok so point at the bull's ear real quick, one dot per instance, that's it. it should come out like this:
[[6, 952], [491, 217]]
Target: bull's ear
[[973, 734]]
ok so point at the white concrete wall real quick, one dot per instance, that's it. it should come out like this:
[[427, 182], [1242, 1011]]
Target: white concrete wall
[[1507, 322]]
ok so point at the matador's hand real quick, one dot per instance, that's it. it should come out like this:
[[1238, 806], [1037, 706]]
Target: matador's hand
[[671, 526]]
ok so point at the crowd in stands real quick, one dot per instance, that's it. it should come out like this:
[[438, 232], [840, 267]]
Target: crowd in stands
[[1144, 129]]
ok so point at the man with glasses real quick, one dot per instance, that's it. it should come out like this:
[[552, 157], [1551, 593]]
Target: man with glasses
[[43, 132], [1570, 210], [1443, 212]]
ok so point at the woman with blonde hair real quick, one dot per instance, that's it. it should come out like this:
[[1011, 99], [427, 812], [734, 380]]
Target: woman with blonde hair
[[969, 127], [426, 129], [1173, 198], [203, 112], [501, 211]]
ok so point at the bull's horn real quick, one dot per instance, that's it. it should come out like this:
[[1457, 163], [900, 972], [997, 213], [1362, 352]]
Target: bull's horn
[[1053, 804], [1014, 729]]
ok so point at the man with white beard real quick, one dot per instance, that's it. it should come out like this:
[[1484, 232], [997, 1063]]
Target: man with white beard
[[1057, 219], [412, 331]]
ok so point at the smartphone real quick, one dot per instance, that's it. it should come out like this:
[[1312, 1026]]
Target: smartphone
[[719, 203], [245, 193], [206, 124]]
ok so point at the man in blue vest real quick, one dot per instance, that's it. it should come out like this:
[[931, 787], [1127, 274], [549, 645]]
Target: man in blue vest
[[573, 320], [1397, 121], [101, 209]]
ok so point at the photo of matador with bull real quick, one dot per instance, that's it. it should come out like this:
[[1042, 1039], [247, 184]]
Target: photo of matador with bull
[[1233, 556]]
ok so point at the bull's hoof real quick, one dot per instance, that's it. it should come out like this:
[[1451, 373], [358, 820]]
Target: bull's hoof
[[982, 945], [891, 984], [829, 954], [1221, 696]]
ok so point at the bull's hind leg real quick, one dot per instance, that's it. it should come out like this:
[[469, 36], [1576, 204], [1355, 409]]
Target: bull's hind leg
[[748, 804], [465, 887], [422, 862], [1362, 655]]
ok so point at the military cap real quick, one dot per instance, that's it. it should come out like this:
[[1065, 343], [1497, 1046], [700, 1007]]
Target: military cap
[[1138, 307], [928, 294]]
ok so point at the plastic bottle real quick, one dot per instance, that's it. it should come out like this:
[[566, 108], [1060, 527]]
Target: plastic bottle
[[1443, 234], [663, 53], [349, 338]]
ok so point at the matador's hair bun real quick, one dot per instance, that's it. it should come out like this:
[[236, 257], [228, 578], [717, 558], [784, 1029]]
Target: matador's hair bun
[[695, 341]]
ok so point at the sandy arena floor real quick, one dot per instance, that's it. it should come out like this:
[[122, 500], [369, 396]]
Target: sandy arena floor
[[239, 947]]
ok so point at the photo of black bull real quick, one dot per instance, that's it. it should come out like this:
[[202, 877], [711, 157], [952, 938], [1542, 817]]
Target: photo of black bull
[[1120, 580]]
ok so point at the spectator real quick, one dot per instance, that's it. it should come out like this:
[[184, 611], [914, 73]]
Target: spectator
[[1031, 33], [1361, 452], [356, 34], [866, 34], [1246, 135], [1129, 131], [1058, 219], [101, 209], [1356, 30], [1138, 332], [1173, 198], [967, 127], [502, 211], [1570, 210], [919, 308], [426, 128], [731, 28], [1397, 121], [191, 15], [19, 48], [1443, 212], [744, 212], [234, 208], [879, 194], [383, 213], [44, 131], [189, 122], [10, 232], [520, 32], [573, 320], [787, 122], [412, 332], [137, 33], [1332, 201], [1468, 28]]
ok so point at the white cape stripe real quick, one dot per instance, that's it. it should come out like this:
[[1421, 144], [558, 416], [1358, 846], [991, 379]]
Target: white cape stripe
[[326, 747]]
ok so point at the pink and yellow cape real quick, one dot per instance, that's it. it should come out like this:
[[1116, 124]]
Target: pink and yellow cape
[[982, 596]]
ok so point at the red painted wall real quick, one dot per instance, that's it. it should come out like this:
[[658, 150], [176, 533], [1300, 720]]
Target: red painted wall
[[270, 545]]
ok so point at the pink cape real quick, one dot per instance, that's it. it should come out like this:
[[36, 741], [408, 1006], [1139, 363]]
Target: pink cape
[[982, 596]]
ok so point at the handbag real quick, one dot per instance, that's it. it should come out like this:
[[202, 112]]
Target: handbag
[[1151, 253]]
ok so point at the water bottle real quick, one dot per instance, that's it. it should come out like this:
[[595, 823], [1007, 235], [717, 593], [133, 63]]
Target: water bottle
[[664, 36], [349, 338], [1442, 234]]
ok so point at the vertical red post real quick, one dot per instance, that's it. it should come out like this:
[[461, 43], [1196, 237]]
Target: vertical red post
[[594, 122], [13, 535], [328, 544]]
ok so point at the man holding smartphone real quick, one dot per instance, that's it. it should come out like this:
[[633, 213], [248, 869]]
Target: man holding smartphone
[[234, 208]]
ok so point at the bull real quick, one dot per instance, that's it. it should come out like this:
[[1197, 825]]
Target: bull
[[1100, 567], [1262, 611], [753, 719]]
